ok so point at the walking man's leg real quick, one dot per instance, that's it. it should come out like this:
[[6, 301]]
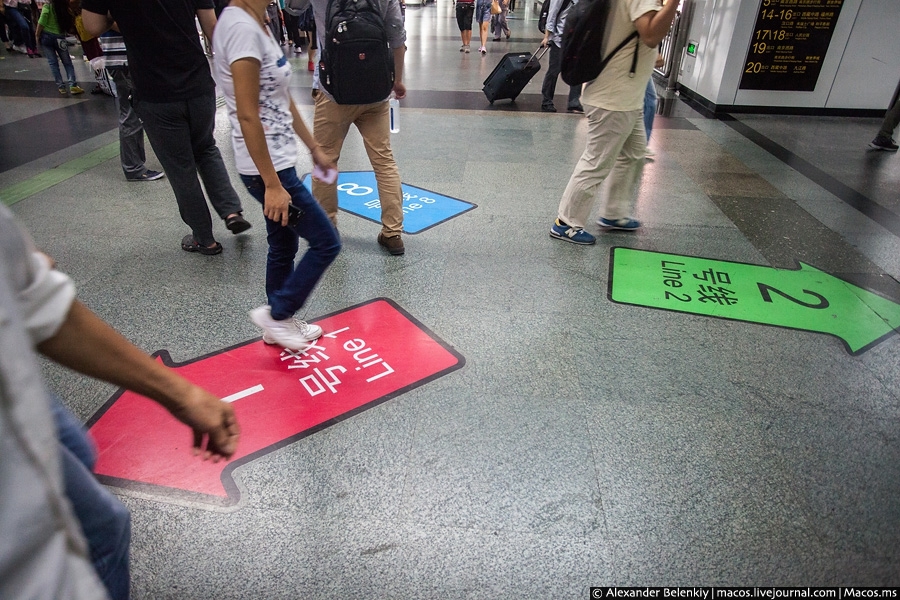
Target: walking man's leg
[[330, 126], [168, 128], [131, 130], [374, 126], [548, 88], [202, 122]]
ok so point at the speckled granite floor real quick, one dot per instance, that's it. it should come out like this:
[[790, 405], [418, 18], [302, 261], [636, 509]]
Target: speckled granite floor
[[584, 442]]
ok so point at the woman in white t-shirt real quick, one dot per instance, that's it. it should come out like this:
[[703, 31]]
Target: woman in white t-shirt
[[254, 74]]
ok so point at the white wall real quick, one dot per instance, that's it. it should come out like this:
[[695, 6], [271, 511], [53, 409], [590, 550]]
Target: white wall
[[860, 70], [870, 68]]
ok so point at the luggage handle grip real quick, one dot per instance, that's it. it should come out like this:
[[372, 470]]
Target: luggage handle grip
[[539, 53]]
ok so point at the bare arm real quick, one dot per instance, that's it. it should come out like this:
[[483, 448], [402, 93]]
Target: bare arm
[[653, 26], [245, 73], [88, 345], [207, 18], [399, 56], [95, 24]]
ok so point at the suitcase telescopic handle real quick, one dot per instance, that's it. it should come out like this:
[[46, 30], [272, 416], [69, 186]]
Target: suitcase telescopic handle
[[539, 54]]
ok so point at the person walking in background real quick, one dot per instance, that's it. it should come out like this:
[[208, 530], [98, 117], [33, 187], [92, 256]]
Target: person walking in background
[[131, 131], [483, 18], [255, 76], [650, 102], [616, 143], [307, 24], [500, 25], [332, 122], [885, 138], [18, 15], [273, 20], [55, 22], [556, 22], [175, 98], [465, 10], [292, 11]]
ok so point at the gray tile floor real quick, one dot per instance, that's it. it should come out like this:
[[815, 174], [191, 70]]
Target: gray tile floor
[[585, 442]]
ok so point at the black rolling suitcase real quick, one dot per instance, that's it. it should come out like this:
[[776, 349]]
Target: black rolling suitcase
[[510, 77]]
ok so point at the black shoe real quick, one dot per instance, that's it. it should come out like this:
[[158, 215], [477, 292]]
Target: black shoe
[[548, 108], [884, 143], [237, 224], [148, 175], [189, 244], [576, 109]]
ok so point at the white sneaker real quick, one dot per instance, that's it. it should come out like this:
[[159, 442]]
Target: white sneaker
[[293, 334], [650, 154]]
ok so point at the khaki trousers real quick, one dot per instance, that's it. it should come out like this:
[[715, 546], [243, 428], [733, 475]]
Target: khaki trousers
[[616, 147], [330, 126]]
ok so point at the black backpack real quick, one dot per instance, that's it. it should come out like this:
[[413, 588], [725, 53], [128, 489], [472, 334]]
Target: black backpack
[[357, 64], [545, 12], [582, 42]]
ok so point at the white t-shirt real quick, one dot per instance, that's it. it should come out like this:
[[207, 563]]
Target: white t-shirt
[[614, 89], [43, 553], [239, 35]]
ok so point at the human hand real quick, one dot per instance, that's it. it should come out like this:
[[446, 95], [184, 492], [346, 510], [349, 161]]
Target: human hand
[[321, 159], [275, 205], [546, 41], [216, 431], [399, 90]]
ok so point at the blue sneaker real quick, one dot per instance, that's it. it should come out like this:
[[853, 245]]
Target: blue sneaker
[[576, 235], [623, 224]]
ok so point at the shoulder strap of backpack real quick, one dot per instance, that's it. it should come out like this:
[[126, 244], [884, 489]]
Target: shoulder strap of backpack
[[634, 35]]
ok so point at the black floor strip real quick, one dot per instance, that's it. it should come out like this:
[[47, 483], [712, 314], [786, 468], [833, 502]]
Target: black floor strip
[[28, 139], [851, 197]]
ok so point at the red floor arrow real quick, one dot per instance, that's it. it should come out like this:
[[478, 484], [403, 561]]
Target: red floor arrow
[[369, 353]]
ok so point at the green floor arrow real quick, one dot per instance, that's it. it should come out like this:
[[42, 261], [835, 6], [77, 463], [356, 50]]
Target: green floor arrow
[[806, 298]]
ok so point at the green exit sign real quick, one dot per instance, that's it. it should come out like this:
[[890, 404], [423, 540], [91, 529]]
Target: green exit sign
[[692, 48]]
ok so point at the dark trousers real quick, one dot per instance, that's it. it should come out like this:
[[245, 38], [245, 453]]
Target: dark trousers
[[548, 89], [891, 119], [181, 134], [292, 24], [131, 130], [3, 37], [20, 30], [287, 286]]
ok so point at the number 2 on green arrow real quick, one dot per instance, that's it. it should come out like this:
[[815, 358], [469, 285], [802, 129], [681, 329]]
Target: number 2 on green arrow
[[805, 298]]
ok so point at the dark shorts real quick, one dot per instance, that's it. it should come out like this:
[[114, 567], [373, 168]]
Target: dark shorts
[[464, 13]]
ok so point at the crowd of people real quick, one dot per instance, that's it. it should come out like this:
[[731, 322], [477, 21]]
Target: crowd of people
[[64, 535]]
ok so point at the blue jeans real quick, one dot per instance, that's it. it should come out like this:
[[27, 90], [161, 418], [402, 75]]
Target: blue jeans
[[21, 31], [288, 288], [649, 107], [104, 520], [55, 54]]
